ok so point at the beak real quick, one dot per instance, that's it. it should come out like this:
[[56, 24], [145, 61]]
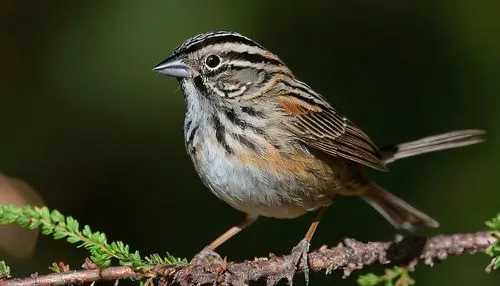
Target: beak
[[174, 67]]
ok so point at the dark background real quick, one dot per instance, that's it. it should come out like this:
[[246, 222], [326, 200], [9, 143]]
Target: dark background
[[86, 122]]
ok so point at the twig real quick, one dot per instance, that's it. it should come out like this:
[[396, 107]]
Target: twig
[[351, 256], [77, 277]]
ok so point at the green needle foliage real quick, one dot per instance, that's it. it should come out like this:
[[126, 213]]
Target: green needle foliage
[[397, 276], [55, 268], [102, 253], [494, 249], [4, 270]]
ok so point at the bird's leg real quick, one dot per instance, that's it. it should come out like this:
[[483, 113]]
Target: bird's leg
[[232, 232], [299, 252], [207, 258], [208, 251]]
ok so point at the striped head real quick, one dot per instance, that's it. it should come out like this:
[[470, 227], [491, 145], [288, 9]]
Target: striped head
[[223, 66]]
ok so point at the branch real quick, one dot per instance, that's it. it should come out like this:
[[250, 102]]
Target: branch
[[353, 255]]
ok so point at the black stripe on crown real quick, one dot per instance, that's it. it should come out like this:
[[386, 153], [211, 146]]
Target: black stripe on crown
[[210, 38]]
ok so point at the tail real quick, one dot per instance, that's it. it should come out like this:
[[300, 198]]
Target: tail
[[434, 143], [398, 212], [394, 209]]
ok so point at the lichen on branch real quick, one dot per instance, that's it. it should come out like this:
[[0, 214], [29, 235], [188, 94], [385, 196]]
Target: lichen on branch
[[350, 256]]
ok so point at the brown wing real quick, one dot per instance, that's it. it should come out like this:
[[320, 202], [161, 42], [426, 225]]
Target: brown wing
[[319, 126]]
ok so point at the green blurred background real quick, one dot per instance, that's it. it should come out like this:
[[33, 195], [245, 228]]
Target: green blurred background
[[87, 123]]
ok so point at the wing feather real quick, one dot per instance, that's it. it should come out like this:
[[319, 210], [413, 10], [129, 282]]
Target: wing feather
[[320, 127]]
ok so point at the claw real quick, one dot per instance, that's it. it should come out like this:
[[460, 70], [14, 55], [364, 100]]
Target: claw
[[206, 255], [206, 260], [296, 261], [299, 254]]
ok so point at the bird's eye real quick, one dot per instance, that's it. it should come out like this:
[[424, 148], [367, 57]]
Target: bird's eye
[[212, 61]]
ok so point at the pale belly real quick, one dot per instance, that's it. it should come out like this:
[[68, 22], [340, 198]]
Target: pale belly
[[262, 187]]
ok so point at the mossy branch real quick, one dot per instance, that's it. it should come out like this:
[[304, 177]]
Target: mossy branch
[[350, 256]]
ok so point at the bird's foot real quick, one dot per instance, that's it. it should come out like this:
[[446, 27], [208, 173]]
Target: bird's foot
[[206, 261], [299, 254], [206, 256], [297, 261]]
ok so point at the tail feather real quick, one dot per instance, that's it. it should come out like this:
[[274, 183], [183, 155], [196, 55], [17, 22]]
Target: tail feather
[[398, 212], [395, 210], [434, 143]]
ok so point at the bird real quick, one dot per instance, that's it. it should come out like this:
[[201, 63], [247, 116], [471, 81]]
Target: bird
[[269, 145]]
